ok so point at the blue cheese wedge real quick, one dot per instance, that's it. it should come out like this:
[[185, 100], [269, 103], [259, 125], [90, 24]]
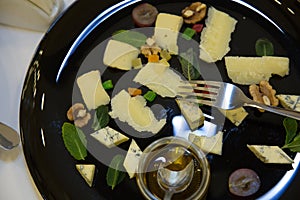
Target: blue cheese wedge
[[109, 137], [289, 101], [167, 27], [216, 35], [211, 144], [236, 116], [270, 154], [192, 113], [132, 158], [91, 89], [120, 55], [252, 70], [87, 171]]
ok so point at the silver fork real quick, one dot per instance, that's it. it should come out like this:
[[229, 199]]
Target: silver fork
[[226, 96]]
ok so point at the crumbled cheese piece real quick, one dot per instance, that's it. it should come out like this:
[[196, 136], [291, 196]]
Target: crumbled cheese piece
[[211, 144], [236, 116], [289, 101]]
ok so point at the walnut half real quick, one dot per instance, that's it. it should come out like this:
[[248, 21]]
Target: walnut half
[[78, 114], [264, 93], [194, 13]]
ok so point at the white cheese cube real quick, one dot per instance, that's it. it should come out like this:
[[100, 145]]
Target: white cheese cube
[[289, 101], [236, 116], [192, 113], [270, 154], [87, 171], [216, 35], [211, 144], [167, 27], [132, 158], [120, 55], [91, 89], [109, 137]]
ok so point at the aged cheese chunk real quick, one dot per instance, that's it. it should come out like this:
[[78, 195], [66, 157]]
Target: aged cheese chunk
[[159, 78], [91, 89], [167, 27], [236, 116], [87, 171], [120, 55], [270, 154], [211, 144], [109, 137], [216, 35], [289, 101], [252, 70], [134, 111], [132, 158], [192, 113]]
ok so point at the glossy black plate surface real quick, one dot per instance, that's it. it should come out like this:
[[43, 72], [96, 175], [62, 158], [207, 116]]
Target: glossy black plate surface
[[48, 88]]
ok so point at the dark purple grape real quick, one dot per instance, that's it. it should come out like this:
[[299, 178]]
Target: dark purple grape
[[144, 15], [244, 182]]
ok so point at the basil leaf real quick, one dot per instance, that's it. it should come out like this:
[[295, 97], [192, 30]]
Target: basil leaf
[[133, 38], [116, 172], [101, 118], [291, 127], [293, 146], [74, 140], [189, 64], [264, 47]]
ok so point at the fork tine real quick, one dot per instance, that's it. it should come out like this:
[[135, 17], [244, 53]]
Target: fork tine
[[207, 83], [189, 95], [206, 89], [199, 101]]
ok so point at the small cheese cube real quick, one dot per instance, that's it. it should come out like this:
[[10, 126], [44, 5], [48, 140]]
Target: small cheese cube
[[211, 144], [132, 158], [236, 116], [109, 137], [120, 55], [270, 154], [289, 101], [87, 171], [91, 89]]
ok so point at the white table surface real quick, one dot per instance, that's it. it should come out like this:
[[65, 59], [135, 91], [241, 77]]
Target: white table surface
[[17, 47]]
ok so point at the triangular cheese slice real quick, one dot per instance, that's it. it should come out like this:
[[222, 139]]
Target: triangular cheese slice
[[132, 158], [87, 171], [289, 101]]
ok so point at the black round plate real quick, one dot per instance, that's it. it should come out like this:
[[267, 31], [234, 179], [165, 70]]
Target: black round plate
[[48, 88]]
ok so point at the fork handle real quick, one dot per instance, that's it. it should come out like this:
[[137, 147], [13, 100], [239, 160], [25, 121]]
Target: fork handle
[[281, 111]]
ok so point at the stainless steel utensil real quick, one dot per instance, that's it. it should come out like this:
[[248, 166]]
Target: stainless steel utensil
[[228, 96], [9, 138]]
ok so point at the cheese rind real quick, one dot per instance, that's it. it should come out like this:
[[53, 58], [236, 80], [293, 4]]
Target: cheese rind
[[132, 158], [236, 116], [252, 70], [109, 137], [167, 27], [270, 154], [192, 113], [216, 35], [87, 171], [211, 144], [91, 89], [120, 55], [289, 101]]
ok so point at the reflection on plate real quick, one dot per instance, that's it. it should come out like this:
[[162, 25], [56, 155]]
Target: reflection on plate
[[71, 47]]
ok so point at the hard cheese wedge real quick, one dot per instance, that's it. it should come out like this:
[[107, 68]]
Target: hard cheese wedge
[[252, 70], [87, 171], [91, 89], [216, 35], [211, 144], [132, 158], [192, 113], [270, 154], [167, 27], [109, 137], [120, 55], [236, 116], [289, 101]]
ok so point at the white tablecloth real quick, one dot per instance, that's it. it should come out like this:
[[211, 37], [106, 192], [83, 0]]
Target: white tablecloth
[[17, 47]]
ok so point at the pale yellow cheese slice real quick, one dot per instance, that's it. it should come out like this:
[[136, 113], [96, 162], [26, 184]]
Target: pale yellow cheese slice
[[236, 116], [289, 101], [87, 171], [216, 35], [91, 89], [120, 55], [132, 158], [211, 144]]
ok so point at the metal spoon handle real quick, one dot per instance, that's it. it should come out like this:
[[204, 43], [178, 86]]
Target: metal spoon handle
[[9, 138]]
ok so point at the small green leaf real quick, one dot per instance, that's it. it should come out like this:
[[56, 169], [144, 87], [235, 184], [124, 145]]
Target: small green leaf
[[116, 171], [133, 38], [189, 64], [291, 127], [264, 47], [293, 146], [74, 140], [101, 117]]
